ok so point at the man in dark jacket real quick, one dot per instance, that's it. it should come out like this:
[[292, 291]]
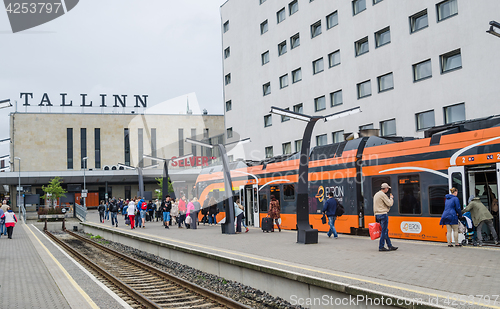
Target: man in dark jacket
[[113, 208], [480, 216], [101, 208], [329, 210], [166, 206]]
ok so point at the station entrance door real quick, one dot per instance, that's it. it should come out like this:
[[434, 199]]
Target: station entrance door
[[249, 196]]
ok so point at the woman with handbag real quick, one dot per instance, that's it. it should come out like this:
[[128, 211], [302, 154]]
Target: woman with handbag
[[452, 211], [274, 212]]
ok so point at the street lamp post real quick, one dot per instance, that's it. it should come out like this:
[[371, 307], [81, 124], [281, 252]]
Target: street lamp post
[[19, 187], [84, 184], [306, 234], [228, 227]]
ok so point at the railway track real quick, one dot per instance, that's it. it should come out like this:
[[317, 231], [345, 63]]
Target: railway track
[[139, 284]]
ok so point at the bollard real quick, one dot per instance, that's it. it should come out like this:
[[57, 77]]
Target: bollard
[[64, 224], [45, 227]]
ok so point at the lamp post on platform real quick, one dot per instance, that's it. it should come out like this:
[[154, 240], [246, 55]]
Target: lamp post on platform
[[228, 227], [19, 187], [84, 191], [306, 234]]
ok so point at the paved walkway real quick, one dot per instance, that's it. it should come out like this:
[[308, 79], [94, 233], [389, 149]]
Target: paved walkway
[[418, 269]]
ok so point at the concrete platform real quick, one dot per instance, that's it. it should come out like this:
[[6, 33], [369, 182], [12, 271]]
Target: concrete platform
[[36, 274], [428, 273]]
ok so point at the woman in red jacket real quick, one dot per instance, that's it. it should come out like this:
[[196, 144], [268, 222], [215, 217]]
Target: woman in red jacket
[[10, 221]]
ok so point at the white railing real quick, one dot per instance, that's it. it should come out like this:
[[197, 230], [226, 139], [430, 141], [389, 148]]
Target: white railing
[[81, 212]]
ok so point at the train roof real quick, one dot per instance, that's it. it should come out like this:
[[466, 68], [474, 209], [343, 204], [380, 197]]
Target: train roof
[[464, 126]]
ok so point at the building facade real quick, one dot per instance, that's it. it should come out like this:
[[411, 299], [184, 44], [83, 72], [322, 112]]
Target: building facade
[[409, 65], [104, 151]]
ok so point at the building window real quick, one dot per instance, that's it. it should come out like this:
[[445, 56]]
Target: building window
[[229, 105], [334, 58], [454, 113], [376, 1], [140, 143], [332, 20], [385, 82], [366, 127], [227, 79], [364, 89], [69, 147], [296, 75], [266, 88], [336, 98], [229, 132], [289, 192], [295, 41], [226, 26], [419, 21], [388, 127], [293, 7], [318, 66], [181, 142], [321, 140], [265, 57], [422, 70], [316, 29], [153, 144], [383, 37], [409, 194], [319, 104], [126, 134], [361, 46], [281, 15], [298, 145], [264, 26], [338, 136], [447, 9], [269, 152], [299, 108], [268, 121], [287, 148], [97, 147], [358, 6], [283, 81], [83, 145], [425, 120], [451, 61], [281, 48], [227, 52]]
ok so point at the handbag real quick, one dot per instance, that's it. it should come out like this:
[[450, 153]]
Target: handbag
[[461, 227], [375, 230], [323, 219], [189, 220]]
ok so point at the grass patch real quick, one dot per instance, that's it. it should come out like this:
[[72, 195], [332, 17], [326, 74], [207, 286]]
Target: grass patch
[[95, 237]]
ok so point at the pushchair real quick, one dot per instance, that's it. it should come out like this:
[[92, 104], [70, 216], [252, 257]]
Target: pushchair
[[470, 230]]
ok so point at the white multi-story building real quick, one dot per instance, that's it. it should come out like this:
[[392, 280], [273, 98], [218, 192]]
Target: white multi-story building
[[409, 65]]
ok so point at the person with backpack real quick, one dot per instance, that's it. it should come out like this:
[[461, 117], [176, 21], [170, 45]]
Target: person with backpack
[[143, 210], [10, 220], [330, 210], [138, 221], [101, 208], [113, 208]]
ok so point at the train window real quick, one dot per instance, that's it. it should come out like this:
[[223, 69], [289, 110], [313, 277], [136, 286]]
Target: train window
[[288, 192], [377, 183], [275, 190], [409, 195], [437, 199], [456, 182], [263, 202]]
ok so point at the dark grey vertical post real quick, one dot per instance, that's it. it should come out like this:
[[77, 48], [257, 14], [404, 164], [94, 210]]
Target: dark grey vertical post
[[141, 182], [164, 188], [228, 227], [305, 234]]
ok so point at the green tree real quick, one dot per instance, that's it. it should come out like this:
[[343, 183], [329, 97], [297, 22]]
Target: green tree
[[160, 195], [54, 190]]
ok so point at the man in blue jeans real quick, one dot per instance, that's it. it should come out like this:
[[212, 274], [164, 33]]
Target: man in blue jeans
[[329, 209], [381, 206]]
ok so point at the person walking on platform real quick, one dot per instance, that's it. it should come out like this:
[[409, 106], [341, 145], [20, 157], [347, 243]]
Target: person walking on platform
[[189, 222], [101, 208], [2, 223], [452, 211], [212, 211], [113, 208], [329, 210], [150, 211], [238, 213], [138, 221], [10, 221], [174, 212], [143, 208], [480, 215], [131, 213], [381, 206], [158, 213], [274, 212], [106, 211], [165, 208], [182, 211]]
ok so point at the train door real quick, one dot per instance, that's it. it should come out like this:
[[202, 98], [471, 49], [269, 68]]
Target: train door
[[456, 178], [255, 205], [249, 199]]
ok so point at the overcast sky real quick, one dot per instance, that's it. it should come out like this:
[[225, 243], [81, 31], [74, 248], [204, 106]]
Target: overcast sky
[[162, 48]]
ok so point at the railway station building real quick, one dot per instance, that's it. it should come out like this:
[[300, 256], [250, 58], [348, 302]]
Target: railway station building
[[408, 65]]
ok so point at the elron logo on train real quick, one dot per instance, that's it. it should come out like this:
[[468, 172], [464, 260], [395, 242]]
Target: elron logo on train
[[26, 14]]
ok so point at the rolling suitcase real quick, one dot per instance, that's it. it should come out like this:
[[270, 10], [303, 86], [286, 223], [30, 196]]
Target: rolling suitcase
[[267, 224]]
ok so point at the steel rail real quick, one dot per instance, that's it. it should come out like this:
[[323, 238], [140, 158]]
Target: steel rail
[[221, 299], [143, 300]]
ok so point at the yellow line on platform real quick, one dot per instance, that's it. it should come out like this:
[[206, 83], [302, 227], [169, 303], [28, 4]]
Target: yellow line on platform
[[73, 282], [445, 297]]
